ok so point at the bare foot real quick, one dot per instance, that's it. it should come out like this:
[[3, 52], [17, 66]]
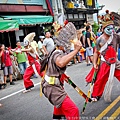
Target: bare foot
[[25, 91]]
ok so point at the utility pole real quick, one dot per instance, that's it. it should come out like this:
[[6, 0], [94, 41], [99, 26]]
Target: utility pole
[[58, 11], [55, 9]]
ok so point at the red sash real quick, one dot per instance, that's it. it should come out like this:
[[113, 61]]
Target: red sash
[[110, 54]]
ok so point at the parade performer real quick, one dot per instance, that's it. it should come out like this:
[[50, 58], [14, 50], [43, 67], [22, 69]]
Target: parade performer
[[34, 65], [52, 85], [106, 47]]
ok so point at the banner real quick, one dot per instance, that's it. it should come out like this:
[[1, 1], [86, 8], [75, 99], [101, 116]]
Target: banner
[[35, 2], [8, 25]]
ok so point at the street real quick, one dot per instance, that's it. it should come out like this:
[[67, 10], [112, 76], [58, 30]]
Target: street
[[30, 106]]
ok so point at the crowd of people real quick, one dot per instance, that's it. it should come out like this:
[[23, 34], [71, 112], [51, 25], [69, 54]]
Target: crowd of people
[[85, 48], [12, 59]]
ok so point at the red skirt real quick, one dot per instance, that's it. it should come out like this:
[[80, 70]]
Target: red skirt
[[89, 77]]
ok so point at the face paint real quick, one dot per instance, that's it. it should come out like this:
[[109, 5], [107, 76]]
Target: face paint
[[26, 43], [108, 30]]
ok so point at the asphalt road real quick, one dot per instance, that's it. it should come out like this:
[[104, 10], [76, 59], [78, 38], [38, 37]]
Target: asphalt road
[[30, 106]]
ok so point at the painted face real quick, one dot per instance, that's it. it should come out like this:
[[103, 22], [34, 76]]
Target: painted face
[[26, 43], [108, 30]]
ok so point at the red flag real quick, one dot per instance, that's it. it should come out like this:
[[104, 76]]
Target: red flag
[[49, 4]]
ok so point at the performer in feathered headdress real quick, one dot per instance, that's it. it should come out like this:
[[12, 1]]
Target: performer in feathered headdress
[[53, 82], [34, 65], [106, 48]]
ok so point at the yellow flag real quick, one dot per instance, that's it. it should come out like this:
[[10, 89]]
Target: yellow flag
[[89, 2]]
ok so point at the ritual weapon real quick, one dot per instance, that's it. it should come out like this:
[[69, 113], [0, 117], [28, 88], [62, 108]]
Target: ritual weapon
[[69, 81], [91, 86]]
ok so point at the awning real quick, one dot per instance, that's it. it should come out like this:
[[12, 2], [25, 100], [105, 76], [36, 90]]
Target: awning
[[8, 25], [31, 19]]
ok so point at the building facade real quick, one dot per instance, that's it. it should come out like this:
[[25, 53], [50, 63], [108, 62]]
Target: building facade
[[76, 11], [31, 16]]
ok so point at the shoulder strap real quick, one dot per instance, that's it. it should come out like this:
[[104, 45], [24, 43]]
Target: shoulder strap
[[106, 44], [51, 53]]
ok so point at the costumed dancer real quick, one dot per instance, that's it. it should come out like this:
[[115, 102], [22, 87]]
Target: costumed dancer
[[106, 46], [52, 85], [34, 65]]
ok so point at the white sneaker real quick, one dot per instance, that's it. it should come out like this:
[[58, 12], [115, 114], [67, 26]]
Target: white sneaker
[[25, 91], [94, 99]]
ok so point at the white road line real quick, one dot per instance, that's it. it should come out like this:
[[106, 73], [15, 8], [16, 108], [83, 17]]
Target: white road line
[[15, 93]]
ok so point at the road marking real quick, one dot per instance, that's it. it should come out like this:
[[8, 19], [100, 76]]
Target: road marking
[[115, 114], [15, 93], [108, 108]]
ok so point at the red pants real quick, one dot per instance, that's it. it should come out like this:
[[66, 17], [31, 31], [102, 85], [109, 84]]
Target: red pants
[[102, 78], [28, 73], [67, 109]]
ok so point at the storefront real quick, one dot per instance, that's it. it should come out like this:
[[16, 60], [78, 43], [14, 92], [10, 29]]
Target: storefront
[[15, 28], [30, 15], [7, 30]]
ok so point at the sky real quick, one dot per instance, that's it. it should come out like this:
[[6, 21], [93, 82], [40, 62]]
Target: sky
[[111, 5]]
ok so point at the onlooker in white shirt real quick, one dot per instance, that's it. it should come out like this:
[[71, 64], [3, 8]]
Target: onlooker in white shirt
[[40, 44], [48, 43]]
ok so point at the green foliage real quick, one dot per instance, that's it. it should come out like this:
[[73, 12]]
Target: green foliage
[[95, 27]]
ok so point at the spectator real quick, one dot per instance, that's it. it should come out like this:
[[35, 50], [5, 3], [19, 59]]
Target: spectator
[[1, 77], [77, 56], [7, 64], [40, 44], [82, 40], [99, 33], [20, 58], [48, 43], [88, 45]]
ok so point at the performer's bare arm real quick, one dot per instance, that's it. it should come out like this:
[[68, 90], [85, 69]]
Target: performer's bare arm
[[64, 60], [95, 57], [27, 50], [11, 52], [99, 43]]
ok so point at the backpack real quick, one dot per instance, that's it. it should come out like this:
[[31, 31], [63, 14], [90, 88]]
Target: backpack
[[45, 60]]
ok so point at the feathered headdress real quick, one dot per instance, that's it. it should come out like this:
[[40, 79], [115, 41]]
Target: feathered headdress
[[116, 18], [29, 38], [106, 19], [66, 34]]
